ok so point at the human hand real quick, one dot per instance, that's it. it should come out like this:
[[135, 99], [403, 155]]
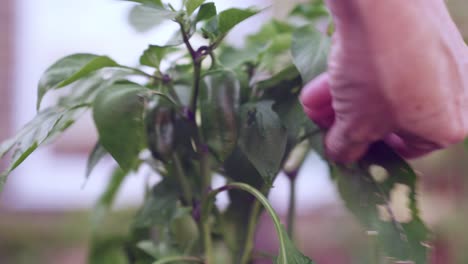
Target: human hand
[[398, 72]]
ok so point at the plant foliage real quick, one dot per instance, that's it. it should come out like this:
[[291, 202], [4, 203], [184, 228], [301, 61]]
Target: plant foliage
[[231, 111]]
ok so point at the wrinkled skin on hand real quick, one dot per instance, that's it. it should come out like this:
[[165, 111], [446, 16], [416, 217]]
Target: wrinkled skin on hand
[[398, 72]]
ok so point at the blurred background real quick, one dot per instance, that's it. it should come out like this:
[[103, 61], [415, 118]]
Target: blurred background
[[44, 208]]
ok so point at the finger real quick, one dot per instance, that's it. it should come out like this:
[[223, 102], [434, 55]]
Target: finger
[[410, 148], [344, 147], [317, 101]]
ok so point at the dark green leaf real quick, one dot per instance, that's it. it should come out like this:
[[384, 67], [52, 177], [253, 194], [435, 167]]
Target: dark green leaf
[[192, 5], [43, 128], [95, 156], [107, 198], [118, 114], [369, 197], [160, 207], [262, 138], [292, 254], [294, 119], [70, 69], [207, 11], [310, 51], [219, 101], [153, 55], [108, 250], [145, 17]]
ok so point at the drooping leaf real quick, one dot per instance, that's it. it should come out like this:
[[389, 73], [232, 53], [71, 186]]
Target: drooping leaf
[[107, 198], [160, 207], [262, 138], [291, 255], [69, 69], [369, 197], [207, 11], [47, 124], [95, 156], [153, 55], [145, 17], [310, 52], [118, 114], [219, 101], [192, 5]]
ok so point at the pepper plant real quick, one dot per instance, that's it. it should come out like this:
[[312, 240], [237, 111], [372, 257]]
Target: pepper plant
[[214, 109]]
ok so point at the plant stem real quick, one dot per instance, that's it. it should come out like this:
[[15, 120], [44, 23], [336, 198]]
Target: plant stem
[[282, 258], [177, 259], [196, 86], [249, 241], [182, 179], [292, 207]]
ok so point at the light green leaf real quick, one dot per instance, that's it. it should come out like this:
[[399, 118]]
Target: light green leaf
[[291, 255], [192, 5], [95, 156], [145, 17], [157, 3], [206, 12], [118, 114], [231, 17], [160, 207], [262, 138], [70, 69], [219, 101], [221, 24], [107, 198], [310, 51], [310, 11], [43, 128], [368, 191], [153, 55]]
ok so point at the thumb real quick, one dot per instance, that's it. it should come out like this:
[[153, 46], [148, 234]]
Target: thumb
[[344, 145]]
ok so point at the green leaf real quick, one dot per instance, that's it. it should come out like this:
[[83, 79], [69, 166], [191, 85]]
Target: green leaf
[[219, 101], [108, 250], [192, 5], [145, 17], [262, 138], [311, 11], [291, 255], [310, 51], [157, 3], [107, 198], [70, 69], [231, 17], [221, 24], [207, 11], [42, 129], [153, 55], [368, 191], [118, 114], [160, 207], [294, 119], [95, 156]]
